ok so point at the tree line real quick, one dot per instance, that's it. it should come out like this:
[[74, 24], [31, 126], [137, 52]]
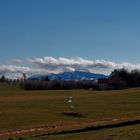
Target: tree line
[[56, 84], [131, 78]]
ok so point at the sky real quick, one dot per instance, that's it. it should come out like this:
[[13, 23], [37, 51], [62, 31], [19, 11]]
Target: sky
[[45, 36]]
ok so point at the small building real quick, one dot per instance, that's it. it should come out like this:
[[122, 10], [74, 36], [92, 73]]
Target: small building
[[105, 83], [102, 83], [116, 83]]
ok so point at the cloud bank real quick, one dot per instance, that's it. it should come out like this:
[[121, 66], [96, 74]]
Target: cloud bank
[[48, 65]]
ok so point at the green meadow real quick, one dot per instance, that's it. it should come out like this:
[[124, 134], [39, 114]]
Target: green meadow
[[21, 109]]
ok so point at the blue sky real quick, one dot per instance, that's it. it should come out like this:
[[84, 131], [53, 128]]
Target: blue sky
[[90, 29]]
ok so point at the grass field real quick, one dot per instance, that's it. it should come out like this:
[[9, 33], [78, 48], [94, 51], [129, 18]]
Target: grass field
[[21, 109], [123, 133]]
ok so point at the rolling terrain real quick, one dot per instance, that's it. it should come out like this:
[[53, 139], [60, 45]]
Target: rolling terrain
[[35, 114]]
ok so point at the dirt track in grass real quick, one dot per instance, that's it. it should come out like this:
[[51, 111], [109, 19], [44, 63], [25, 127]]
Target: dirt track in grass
[[67, 128]]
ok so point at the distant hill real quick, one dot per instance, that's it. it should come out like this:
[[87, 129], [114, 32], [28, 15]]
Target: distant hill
[[67, 76]]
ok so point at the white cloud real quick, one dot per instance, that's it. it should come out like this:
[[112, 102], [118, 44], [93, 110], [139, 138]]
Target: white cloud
[[81, 64], [17, 71], [15, 61], [56, 65]]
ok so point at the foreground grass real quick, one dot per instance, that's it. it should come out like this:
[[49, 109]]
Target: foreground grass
[[123, 133], [120, 133], [22, 109]]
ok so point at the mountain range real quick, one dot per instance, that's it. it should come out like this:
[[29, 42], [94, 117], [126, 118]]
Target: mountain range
[[68, 76]]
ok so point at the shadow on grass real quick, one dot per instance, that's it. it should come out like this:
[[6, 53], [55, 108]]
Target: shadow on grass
[[18, 138], [72, 114]]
